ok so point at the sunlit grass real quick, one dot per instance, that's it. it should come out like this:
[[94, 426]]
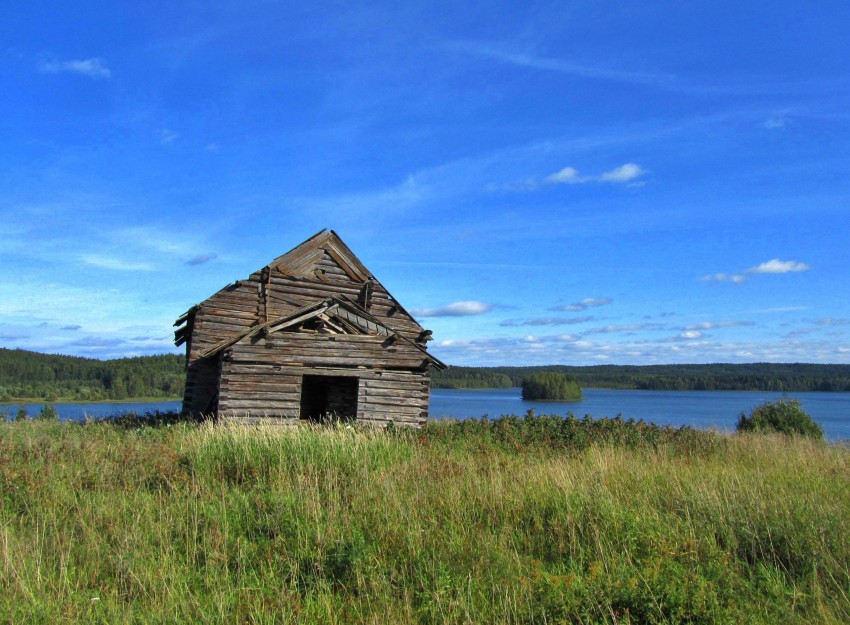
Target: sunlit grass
[[520, 521]]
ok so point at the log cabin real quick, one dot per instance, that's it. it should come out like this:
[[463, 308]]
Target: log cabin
[[312, 336]]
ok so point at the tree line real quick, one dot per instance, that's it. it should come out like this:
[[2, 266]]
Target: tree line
[[777, 377], [31, 375]]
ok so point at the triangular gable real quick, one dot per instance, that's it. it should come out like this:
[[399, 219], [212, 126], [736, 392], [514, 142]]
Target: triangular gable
[[338, 315], [302, 260]]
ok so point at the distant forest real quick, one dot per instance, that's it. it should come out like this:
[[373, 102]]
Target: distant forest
[[714, 377], [47, 377], [31, 375]]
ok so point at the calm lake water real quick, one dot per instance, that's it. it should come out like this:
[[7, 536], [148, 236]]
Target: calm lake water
[[701, 409]]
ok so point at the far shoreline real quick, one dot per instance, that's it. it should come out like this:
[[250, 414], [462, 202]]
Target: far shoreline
[[61, 400]]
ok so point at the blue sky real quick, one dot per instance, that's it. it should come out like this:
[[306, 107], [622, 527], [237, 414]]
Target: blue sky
[[570, 182]]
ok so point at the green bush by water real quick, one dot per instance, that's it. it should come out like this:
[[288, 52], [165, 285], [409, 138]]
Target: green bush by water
[[516, 520], [784, 416]]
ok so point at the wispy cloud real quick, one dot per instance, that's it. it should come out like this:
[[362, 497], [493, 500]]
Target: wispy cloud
[[13, 337], [71, 327], [201, 259], [154, 238], [713, 325], [773, 266], [832, 321], [735, 278], [92, 68], [455, 309], [631, 327], [563, 66], [166, 136], [97, 341], [775, 123], [688, 346], [545, 321], [587, 302], [665, 81], [778, 309], [108, 262]]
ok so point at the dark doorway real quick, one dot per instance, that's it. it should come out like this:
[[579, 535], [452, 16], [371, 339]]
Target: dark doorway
[[328, 398]]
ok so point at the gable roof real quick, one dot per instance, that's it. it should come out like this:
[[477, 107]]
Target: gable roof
[[343, 316], [297, 261], [320, 267]]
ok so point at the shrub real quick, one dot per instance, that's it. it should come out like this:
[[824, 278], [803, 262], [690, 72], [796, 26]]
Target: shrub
[[48, 413], [785, 416], [551, 385]]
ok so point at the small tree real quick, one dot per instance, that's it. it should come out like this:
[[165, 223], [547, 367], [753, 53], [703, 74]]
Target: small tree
[[785, 416], [21, 414], [48, 413]]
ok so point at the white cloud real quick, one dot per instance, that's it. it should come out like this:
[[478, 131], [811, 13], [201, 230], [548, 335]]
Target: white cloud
[[623, 173], [691, 334], [587, 302], [568, 175], [712, 325], [93, 68], [619, 175], [565, 349], [108, 262], [735, 278], [778, 309], [779, 266], [773, 266], [631, 327], [455, 309]]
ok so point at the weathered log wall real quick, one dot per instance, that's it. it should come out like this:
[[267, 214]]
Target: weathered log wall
[[263, 380], [201, 393]]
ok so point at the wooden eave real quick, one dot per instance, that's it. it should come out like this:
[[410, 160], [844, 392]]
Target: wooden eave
[[184, 326], [349, 315]]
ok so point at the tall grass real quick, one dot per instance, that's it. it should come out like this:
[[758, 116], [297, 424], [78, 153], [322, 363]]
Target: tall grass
[[532, 520]]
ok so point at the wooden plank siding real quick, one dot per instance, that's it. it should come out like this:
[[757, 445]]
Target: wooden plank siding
[[398, 397], [260, 376]]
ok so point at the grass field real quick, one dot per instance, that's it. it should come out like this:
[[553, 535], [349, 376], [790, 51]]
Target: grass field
[[531, 520]]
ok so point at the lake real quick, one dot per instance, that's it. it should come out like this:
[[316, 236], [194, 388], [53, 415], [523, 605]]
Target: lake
[[700, 409]]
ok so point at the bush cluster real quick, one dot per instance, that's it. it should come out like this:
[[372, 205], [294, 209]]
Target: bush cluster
[[533, 432], [784, 416]]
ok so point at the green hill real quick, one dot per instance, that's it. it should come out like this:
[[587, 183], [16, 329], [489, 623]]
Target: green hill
[[31, 375]]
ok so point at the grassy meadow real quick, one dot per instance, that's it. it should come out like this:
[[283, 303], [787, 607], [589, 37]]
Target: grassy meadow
[[519, 520]]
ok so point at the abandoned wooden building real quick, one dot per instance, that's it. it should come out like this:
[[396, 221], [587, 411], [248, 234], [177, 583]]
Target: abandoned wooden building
[[310, 336]]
